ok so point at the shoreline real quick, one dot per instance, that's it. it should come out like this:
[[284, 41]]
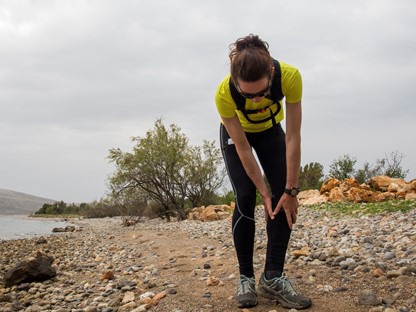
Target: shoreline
[[22, 226]]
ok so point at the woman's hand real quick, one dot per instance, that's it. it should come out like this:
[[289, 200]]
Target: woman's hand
[[268, 209], [290, 205]]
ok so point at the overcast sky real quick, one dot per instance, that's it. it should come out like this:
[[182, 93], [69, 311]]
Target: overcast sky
[[78, 78]]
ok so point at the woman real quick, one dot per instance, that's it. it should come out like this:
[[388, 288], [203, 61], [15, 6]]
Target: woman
[[249, 104]]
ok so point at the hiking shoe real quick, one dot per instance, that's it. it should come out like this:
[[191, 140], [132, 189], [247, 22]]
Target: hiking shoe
[[246, 292], [281, 289]]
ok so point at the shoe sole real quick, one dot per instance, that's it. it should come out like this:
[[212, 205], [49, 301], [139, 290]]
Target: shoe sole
[[264, 293], [247, 304]]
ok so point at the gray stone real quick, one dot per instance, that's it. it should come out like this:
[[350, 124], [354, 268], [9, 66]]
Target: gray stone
[[368, 297], [338, 259], [34, 269], [393, 274], [389, 255], [389, 300]]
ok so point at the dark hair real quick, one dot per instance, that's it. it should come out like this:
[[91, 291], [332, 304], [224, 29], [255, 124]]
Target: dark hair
[[250, 59]]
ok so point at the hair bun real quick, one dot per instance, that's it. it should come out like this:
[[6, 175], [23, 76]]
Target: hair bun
[[250, 41]]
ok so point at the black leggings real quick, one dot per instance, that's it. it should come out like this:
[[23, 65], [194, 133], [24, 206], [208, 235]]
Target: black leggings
[[270, 147]]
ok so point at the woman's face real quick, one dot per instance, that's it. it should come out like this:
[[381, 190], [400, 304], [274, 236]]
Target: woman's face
[[254, 90]]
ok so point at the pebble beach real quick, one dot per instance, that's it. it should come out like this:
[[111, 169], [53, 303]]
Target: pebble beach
[[345, 263]]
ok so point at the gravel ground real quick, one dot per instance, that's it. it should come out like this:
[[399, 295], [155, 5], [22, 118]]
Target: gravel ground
[[344, 263]]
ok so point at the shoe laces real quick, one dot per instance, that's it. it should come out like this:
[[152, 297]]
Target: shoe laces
[[285, 284], [245, 285]]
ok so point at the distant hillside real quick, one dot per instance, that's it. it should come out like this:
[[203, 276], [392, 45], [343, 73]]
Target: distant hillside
[[16, 203]]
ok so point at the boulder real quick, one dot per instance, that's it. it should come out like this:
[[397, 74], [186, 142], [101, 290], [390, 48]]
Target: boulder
[[383, 196], [222, 215], [410, 187], [35, 269], [359, 195], [351, 182], [68, 228], [210, 213], [347, 184], [329, 185], [336, 195], [382, 183], [410, 196], [308, 194], [380, 188], [311, 197]]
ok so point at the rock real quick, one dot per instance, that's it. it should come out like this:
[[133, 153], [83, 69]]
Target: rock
[[304, 251], [41, 240], [142, 308], [384, 196], [407, 270], [389, 300], [69, 228], [347, 264], [146, 295], [367, 297], [159, 296], [6, 298], [338, 260], [389, 255], [336, 195], [213, 281], [127, 307], [377, 309], [377, 272], [107, 275], [33, 270], [311, 197], [128, 297], [360, 195], [222, 215], [380, 188], [210, 213], [380, 183], [350, 182], [410, 196], [393, 274], [23, 286], [329, 185], [307, 194], [403, 279]]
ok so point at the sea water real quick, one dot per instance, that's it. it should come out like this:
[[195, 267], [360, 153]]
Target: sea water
[[14, 227]]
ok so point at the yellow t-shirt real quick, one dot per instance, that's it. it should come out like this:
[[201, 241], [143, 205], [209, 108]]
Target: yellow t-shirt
[[291, 88]]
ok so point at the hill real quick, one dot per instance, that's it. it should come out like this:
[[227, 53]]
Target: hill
[[16, 203]]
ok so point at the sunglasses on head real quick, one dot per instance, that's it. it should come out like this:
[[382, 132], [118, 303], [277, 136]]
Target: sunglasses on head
[[263, 93]]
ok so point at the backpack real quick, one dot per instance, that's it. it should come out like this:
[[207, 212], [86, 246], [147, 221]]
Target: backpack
[[276, 95]]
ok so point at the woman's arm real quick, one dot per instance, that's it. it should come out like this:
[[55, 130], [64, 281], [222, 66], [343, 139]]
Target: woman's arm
[[236, 132], [293, 151]]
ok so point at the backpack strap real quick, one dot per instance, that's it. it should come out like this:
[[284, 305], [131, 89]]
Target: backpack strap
[[276, 95]]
